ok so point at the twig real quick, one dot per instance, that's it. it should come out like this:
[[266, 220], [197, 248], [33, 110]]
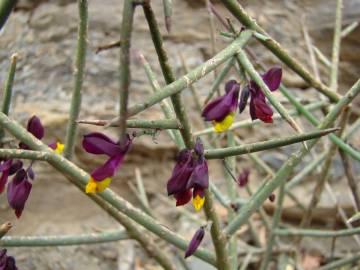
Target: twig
[[124, 71], [313, 120], [6, 6], [317, 233], [64, 240], [220, 153], [339, 263], [80, 178], [283, 173], [232, 193], [165, 106], [238, 11], [4, 229], [112, 45], [7, 92], [137, 123], [336, 47], [217, 236], [275, 223], [322, 57], [345, 32], [194, 75], [141, 187], [212, 34], [79, 77], [168, 14]]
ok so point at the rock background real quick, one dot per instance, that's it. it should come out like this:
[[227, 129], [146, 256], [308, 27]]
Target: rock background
[[46, 42]]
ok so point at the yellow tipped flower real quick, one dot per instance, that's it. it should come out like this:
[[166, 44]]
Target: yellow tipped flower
[[221, 111], [198, 202], [225, 124], [97, 186], [57, 147]]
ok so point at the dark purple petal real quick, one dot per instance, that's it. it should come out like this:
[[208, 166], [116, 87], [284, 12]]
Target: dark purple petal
[[195, 242], [219, 108], [35, 127], [6, 165], [232, 85], [30, 173], [180, 174], [11, 264], [183, 156], [198, 191], [199, 147], [262, 110], [109, 168], [199, 176], [183, 197], [3, 180], [18, 192], [243, 178], [272, 78], [252, 110], [99, 144], [244, 96], [17, 165]]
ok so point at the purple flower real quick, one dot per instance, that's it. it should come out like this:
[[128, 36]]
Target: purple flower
[[259, 109], [99, 144], [243, 178], [35, 127], [7, 262], [8, 167], [190, 173], [18, 191], [195, 242], [221, 111]]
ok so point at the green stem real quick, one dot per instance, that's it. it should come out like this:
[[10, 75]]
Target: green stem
[[217, 236], [63, 240], [5, 107], [80, 178], [220, 153], [168, 13], [349, 29], [165, 106], [193, 76], [4, 229], [232, 193], [138, 123], [287, 168], [6, 6], [317, 233], [239, 12], [125, 71], [275, 223], [79, 77], [338, 264], [336, 47], [313, 120]]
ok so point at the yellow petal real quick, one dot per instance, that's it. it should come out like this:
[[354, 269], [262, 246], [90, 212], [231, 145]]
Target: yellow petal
[[59, 148], [198, 202], [224, 124], [97, 186]]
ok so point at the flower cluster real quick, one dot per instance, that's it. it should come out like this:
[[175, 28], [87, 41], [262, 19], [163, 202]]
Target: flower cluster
[[221, 111], [7, 262], [18, 190], [99, 144], [190, 177]]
